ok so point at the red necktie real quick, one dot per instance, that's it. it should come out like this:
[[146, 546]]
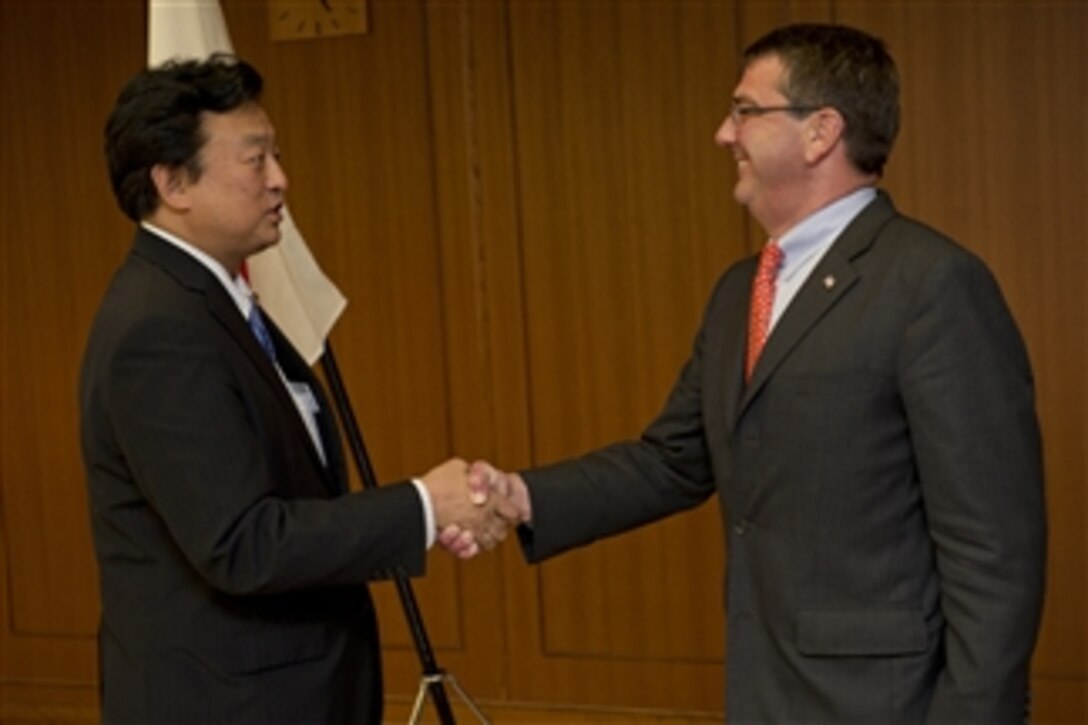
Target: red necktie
[[759, 320]]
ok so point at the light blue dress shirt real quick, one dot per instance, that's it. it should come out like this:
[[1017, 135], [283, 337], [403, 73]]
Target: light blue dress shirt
[[805, 244]]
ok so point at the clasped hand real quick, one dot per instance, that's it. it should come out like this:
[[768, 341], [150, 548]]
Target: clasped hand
[[474, 505]]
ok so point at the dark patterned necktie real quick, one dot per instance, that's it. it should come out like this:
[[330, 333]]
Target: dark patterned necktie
[[256, 323]]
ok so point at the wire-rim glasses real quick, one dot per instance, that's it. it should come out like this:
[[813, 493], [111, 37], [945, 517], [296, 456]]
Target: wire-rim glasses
[[741, 112]]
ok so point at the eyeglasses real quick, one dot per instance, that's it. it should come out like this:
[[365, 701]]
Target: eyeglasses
[[742, 112]]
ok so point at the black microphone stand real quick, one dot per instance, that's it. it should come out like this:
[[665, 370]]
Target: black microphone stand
[[433, 677]]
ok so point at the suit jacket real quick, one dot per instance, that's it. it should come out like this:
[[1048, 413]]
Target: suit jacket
[[232, 562], [880, 481]]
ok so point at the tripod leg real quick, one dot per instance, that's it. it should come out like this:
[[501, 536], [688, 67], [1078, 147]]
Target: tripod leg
[[425, 687], [421, 696], [466, 699]]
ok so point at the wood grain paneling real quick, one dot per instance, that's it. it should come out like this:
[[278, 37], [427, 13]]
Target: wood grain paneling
[[625, 223], [62, 67]]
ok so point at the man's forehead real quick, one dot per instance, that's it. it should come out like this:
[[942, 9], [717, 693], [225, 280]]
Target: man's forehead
[[761, 75]]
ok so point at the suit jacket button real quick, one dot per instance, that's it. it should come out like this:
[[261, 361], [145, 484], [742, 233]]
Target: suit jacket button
[[741, 527]]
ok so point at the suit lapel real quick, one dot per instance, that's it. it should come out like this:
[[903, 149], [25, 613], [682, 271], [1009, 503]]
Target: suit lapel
[[828, 282], [192, 275], [733, 327], [294, 367], [226, 312]]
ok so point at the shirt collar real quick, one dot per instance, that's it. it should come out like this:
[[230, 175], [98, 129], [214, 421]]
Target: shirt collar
[[815, 234], [237, 287]]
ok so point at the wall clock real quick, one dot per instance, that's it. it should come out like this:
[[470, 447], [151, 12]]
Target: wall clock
[[299, 19]]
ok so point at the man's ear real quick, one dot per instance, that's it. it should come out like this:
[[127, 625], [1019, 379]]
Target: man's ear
[[824, 132], [172, 183]]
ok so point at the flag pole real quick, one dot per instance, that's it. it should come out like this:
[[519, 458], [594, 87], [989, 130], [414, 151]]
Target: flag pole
[[433, 676]]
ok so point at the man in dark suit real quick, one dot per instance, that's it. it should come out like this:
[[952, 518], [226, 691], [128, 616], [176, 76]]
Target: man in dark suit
[[233, 560], [878, 461]]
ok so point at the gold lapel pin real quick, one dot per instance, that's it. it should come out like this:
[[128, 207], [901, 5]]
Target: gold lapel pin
[[829, 281]]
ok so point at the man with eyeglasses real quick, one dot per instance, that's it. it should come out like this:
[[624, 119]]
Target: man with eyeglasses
[[870, 427]]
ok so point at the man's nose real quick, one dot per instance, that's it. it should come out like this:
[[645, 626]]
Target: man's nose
[[277, 177], [726, 134]]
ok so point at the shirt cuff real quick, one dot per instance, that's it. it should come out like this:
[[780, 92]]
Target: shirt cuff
[[428, 513]]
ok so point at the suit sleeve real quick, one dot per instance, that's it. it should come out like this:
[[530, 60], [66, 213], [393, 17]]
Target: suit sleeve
[[968, 392], [628, 484], [209, 458]]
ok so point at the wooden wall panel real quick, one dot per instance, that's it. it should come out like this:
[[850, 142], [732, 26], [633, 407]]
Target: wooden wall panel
[[61, 69], [625, 224]]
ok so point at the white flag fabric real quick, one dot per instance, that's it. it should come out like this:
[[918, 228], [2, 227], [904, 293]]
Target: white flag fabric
[[292, 288]]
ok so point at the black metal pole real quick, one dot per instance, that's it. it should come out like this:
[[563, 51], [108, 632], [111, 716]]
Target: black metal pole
[[431, 672]]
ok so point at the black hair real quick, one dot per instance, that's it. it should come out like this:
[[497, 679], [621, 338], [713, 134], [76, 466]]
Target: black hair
[[157, 119], [846, 69]]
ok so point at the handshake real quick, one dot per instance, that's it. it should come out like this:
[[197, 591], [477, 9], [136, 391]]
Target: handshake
[[474, 505]]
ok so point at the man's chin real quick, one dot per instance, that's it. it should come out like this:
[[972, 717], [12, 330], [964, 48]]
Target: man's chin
[[267, 242]]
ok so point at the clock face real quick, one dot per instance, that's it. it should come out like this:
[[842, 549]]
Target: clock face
[[296, 19]]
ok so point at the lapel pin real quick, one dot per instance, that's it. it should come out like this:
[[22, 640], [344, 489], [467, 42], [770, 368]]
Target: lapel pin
[[829, 281]]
